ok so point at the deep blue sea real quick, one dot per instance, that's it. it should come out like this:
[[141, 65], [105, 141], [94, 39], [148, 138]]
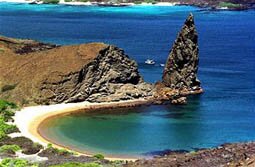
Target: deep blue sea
[[224, 113]]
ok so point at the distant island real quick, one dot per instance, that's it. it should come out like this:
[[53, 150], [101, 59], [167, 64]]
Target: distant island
[[211, 4]]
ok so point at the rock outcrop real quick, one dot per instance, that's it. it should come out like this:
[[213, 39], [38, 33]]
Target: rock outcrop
[[232, 155], [182, 63], [180, 72], [94, 72], [34, 72]]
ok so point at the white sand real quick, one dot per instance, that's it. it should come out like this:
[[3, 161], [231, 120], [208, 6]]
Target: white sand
[[28, 119], [15, 134], [34, 158]]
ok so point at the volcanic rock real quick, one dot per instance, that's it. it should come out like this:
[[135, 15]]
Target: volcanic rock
[[182, 64], [180, 72], [95, 72]]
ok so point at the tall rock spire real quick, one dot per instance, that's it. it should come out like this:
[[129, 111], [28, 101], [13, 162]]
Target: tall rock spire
[[182, 64]]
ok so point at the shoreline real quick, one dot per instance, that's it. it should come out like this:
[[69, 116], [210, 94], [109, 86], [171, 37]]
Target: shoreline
[[94, 3], [29, 119], [210, 7]]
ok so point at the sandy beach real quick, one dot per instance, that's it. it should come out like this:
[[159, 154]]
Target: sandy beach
[[29, 119]]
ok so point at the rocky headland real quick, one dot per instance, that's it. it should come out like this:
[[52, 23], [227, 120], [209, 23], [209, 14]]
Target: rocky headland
[[37, 73]]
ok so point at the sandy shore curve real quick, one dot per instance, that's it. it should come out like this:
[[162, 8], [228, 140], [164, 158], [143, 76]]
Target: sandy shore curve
[[28, 119]]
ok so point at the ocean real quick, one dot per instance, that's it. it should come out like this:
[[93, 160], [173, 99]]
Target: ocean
[[224, 113]]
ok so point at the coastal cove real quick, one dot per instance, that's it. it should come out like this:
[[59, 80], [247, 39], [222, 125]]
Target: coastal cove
[[223, 114], [29, 121]]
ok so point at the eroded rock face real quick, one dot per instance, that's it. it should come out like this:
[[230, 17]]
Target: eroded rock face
[[111, 76], [182, 64], [93, 72], [180, 72]]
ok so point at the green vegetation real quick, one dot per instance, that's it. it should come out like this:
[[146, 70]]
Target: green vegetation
[[5, 128], [9, 162], [6, 112], [6, 109], [50, 148], [76, 164], [145, 1], [99, 156], [49, 145], [9, 148], [51, 1], [6, 88], [4, 105], [83, 0], [137, 2], [229, 5], [151, 1], [68, 0]]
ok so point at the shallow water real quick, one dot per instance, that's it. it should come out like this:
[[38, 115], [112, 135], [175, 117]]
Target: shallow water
[[224, 113]]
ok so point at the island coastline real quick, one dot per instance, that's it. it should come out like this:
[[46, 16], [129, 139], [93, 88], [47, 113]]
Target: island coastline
[[29, 119], [211, 6]]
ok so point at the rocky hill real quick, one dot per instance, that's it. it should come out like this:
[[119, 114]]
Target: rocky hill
[[33, 72], [180, 73]]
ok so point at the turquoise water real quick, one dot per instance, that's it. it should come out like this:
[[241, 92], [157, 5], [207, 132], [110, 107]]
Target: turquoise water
[[224, 113]]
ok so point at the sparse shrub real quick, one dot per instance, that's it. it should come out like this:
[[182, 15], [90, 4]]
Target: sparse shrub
[[51, 150], [99, 156], [6, 109], [6, 105], [150, 1], [9, 162], [6, 88], [5, 128], [9, 149], [228, 5], [83, 0], [49, 145], [63, 152], [51, 1], [137, 2]]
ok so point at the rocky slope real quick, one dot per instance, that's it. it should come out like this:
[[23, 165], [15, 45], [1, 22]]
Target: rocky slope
[[32, 72], [180, 72], [231, 155]]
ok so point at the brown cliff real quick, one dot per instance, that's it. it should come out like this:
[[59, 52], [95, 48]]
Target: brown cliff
[[48, 74]]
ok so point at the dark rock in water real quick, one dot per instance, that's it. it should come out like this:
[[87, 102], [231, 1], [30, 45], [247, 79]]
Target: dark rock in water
[[180, 72], [182, 64]]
